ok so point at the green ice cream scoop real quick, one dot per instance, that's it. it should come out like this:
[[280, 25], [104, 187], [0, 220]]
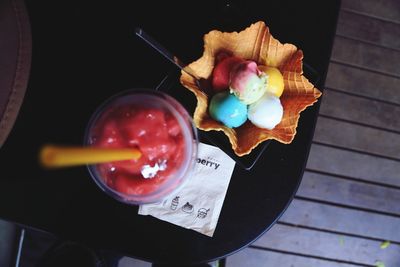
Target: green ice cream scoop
[[247, 82]]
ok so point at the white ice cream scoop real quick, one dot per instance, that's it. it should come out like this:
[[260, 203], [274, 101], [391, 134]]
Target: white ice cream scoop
[[267, 112]]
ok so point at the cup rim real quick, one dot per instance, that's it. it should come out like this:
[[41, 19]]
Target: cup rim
[[183, 174]]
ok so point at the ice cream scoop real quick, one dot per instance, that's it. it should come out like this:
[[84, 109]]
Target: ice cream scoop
[[247, 82], [267, 112], [275, 83], [221, 72], [228, 109]]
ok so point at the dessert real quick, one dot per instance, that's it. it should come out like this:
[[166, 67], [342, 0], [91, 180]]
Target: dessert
[[154, 126], [221, 73], [247, 82], [267, 112], [283, 61], [228, 109], [188, 208], [275, 84], [257, 86], [154, 132]]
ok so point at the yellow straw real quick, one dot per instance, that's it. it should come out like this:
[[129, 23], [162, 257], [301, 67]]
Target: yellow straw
[[56, 156]]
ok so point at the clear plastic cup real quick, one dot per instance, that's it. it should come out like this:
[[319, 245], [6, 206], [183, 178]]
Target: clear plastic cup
[[156, 124]]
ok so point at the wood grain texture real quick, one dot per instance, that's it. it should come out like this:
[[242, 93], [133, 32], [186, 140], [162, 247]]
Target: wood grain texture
[[361, 138], [369, 29], [352, 164], [364, 83], [348, 221], [383, 9], [348, 201], [352, 193], [366, 56], [328, 245], [258, 258], [361, 110]]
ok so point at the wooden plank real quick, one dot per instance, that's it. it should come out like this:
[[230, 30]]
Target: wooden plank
[[384, 9], [347, 221], [352, 193], [369, 29], [366, 56], [363, 83], [361, 110], [352, 164], [328, 245], [366, 139], [259, 258]]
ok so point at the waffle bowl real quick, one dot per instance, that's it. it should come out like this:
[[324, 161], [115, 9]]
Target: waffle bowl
[[257, 44]]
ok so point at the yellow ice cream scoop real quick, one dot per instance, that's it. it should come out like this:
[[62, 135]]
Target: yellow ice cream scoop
[[275, 83]]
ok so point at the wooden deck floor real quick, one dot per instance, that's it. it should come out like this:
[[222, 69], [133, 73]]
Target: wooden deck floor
[[348, 202]]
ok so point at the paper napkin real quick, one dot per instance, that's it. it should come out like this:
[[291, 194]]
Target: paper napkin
[[198, 203]]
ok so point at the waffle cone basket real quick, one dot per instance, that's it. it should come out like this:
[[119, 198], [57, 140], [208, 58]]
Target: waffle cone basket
[[257, 44]]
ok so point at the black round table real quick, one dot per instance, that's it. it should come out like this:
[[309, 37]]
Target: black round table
[[85, 51]]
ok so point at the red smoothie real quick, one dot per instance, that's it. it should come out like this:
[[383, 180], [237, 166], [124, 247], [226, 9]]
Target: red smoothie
[[153, 129]]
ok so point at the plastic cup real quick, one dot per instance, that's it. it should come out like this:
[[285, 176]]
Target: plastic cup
[[160, 128]]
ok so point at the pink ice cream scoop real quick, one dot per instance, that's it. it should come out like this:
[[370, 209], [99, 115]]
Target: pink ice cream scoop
[[247, 82]]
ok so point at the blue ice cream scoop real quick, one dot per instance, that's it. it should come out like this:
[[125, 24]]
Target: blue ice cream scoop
[[228, 109]]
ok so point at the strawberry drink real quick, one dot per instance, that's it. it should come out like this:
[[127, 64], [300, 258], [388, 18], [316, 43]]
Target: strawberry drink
[[160, 128]]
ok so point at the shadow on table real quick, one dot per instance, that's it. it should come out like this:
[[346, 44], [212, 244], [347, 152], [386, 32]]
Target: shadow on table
[[24, 247]]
